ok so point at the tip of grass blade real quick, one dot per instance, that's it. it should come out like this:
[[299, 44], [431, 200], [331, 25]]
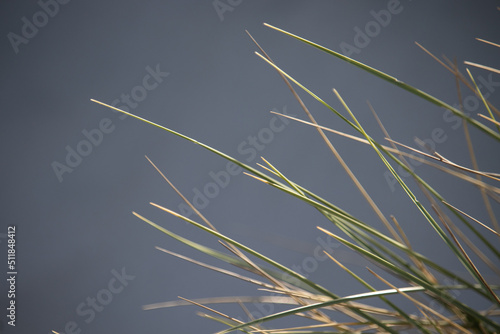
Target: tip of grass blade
[[167, 210], [256, 177]]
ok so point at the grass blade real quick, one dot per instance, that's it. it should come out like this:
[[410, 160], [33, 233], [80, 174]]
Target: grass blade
[[396, 82]]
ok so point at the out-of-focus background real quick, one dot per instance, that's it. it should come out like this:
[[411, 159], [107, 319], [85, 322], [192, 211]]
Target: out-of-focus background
[[73, 171]]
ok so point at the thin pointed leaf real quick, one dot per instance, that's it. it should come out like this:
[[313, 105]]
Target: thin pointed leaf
[[396, 82]]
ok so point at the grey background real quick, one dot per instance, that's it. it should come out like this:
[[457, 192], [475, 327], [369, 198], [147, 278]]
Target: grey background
[[72, 234]]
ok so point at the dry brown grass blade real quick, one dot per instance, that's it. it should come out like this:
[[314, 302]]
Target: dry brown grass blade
[[420, 265], [484, 195], [462, 78], [251, 317], [247, 312], [473, 219], [434, 57], [371, 309], [220, 313], [288, 330], [359, 330], [405, 241], [318, 298], [494, 196], [384, 130], [431, 321], [491, 69], [438, 157], [235, 250], [472, 155], [474, 90], [315, 314], [482, 190], [343, 307], [489, 119], [330, 146], [471, 263], [488, 42], [182, 196], [422, 305], [411, 156], [225, 300], [297, 293], [232, 248], [469, 242], [462, 235], [493, 176], [217, 269], [257, 269]]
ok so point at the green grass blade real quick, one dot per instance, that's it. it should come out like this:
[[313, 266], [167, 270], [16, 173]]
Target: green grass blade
[[351, 220], [271, 181], [224, 257], [396, 82], [275, 264], [205, 146], [224, 321], [235, 161], [422, 209], [321, 305], [482, 98], [278, 173], [242, 247], [418, 179], [379, 147], [422, 283], [385, 300]]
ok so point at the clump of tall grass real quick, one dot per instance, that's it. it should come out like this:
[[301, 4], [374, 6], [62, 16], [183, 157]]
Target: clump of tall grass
[[425, 281]]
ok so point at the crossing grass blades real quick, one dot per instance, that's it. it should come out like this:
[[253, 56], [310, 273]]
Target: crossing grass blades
[[426, 282]]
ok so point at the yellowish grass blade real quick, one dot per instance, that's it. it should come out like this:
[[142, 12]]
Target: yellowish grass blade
[[491, 69], [473, 219], [422, 305], [472, 265], [488, 42]]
